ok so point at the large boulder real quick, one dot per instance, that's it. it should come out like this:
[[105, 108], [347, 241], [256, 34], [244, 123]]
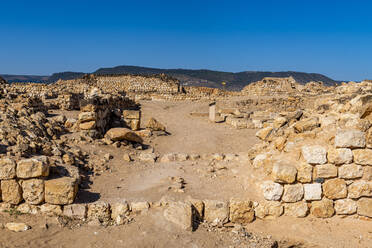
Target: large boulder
[[121, 133]]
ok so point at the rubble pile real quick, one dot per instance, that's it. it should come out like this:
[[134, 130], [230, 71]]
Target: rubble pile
[[319, 160]]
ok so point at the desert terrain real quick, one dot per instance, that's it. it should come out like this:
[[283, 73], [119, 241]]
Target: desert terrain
[[133, 161]]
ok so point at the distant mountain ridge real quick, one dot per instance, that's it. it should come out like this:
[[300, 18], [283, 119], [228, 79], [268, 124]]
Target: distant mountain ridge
[[207, 78]]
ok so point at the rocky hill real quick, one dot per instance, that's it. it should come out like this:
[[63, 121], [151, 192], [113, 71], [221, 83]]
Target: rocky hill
[[205, 78]]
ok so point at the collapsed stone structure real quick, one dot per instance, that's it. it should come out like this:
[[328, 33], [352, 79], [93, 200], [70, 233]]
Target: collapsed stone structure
[[319, 160]]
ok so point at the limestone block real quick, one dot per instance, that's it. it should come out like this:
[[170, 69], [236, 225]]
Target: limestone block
[[365, 207], [325, 171], [284, 173], [304, 172], [87, 116], [241, 211], [345, 206], [360, 188], [33, 191], [350, 139], [11, 191], [307, 124], [312, 191], [264, 133], [88, 125], [99, 212], [75, 211], [363, 156], [180, 213], [314, 154], [269, 210], [350, 171], [139, 206], [293, 192], [60, 191], [7, 168], [340, 156], [33, 167], [297, 209], [51, 209], [17, 227], [272, 191], [335, 189], [216, 212], [322, 209], [121, 133]]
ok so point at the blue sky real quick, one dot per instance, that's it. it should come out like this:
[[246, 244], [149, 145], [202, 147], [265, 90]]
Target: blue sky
[[329, 37]]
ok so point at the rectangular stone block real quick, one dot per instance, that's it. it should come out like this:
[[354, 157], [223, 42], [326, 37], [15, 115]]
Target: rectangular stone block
[[7, 168], [33, 191], [60, 191], [33, 167], [11, 191]]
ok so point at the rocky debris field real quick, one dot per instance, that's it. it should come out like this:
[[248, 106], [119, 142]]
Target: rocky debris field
[[103, 155]]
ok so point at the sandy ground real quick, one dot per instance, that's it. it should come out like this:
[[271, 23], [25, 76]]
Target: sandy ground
[[137, 181]]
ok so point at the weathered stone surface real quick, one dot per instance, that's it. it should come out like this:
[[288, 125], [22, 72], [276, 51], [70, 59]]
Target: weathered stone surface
[[75, 211], [197, 207], [367, 173], [33, 191], [155, 125], [138, 207], [312, 191], [241, 211], [180, 213], [216, 212], [87, 116], [269, 210], [11, 191], [147, 157], [293, 192], [33, 167], [51, 209], [345, 206], [369, 138], [284, 173], [314, 154], [264, 133], [119, 212], [350, 171], [131, 114], [304, 172], [88, 125], [17, 227], [272, 191], [322, 209], [335, 189], [325, 171], [360, 188], [7, 168], [350, 139], [121, 133], [297, 209], [365, 207], [26, 208], [363, 156], [279, 122], [340, 156], [60, 191], [307, 124], [99, 212]]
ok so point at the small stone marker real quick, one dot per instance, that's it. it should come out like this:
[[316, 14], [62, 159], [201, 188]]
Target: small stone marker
[[212, 111]]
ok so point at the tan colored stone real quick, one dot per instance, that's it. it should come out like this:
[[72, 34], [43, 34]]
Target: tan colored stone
[[33, 191], [99, 212], [26, 208], [87, 116], [7, 168], [284, 173], [216, 212], [131, 114], [180, 213], [325, 171], [350, 139], [11, 191], [17, 227], [279, 122], [121, 133], [264, 133], [322, 209], [33, 167], [272, 191], [119, 212], [363, 156], [304, 172], [75, 211], [307, 124], [369, 138], [335, 189], [241, 211], [350, 171], [279, 143], [297, 209], [340, 156], [360, 188], [155, 125], [345, 206], [51, 209], [365, 207], [314, 154], [293, 192], [138, 207], [60, 191], [367, 173], [269, 210], [87, 125]]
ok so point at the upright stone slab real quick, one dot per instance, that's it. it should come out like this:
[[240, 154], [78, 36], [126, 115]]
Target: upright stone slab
[[212, 112], [11, 191]]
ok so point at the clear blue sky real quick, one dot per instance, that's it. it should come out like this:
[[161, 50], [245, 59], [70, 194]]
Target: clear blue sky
[[329, 37]]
